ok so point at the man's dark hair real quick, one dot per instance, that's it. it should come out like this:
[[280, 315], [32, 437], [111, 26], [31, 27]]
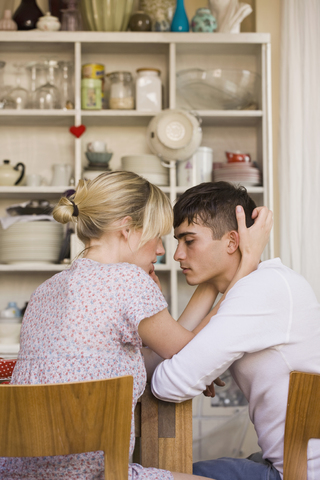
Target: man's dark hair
[[213, 205]]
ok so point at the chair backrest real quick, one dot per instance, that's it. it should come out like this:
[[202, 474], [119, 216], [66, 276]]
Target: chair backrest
[[69, 418], [302, 423]]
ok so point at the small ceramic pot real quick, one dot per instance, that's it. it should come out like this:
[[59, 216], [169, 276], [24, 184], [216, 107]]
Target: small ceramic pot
[[140, 22], [203, 21], [48, 23]]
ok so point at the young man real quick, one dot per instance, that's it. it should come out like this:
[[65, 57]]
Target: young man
[[267, 326]]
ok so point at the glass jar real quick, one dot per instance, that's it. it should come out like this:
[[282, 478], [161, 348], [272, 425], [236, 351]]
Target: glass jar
[[91, 94], [148, 90], [121, 91]]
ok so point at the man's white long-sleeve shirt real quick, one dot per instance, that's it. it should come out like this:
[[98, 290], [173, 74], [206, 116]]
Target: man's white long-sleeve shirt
[[268, 326]]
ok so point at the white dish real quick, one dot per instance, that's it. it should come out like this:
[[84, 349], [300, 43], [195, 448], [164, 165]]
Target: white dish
[[143, 163], [174, 134], [156, 178]]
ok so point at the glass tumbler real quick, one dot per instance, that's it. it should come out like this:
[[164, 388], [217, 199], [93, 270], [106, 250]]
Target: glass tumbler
[[66, 85]]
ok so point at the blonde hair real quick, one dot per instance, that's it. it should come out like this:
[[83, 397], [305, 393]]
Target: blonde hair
[[98, 204]]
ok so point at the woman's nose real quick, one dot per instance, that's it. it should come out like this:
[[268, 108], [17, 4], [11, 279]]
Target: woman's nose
[[160, 248]]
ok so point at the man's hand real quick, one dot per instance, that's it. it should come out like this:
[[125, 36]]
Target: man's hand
[[253, 240], [210, 390]]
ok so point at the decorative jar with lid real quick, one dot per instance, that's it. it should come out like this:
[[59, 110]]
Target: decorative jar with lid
[[148, 90], [121, 95], [203, 21], [48, 23]]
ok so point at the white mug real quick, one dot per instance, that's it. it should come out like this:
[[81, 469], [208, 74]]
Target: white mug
[[61, 174], [97, 146], [197, 169], [33, 180]]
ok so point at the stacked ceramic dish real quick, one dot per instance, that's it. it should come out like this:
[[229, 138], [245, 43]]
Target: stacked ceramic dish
[[31, 242], [239, 173], [147, 166]]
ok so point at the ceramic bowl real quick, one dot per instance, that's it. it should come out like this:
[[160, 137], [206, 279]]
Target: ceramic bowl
[[174, 134], [235, 157], [99, 157], [110, 16]]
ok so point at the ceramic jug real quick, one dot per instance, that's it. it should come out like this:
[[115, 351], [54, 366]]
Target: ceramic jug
[[61, 174], [9, 175]]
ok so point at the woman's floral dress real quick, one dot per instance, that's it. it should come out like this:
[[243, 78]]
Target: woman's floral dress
[[82, 324]]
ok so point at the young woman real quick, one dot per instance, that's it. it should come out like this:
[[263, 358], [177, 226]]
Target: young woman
[[90, 321]]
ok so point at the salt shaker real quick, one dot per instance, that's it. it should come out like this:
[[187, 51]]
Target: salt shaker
[[148, 90]]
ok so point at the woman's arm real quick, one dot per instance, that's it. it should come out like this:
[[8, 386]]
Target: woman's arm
[[199, 305]]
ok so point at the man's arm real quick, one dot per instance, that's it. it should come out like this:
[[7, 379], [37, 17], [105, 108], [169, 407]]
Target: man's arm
[[253, 317]]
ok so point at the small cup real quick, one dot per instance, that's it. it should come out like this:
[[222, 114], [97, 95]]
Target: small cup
[[97, 146], [33, 180]]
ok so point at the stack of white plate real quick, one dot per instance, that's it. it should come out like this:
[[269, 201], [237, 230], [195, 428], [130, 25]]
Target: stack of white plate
[[30, 242], [240, 173], [148, 167]]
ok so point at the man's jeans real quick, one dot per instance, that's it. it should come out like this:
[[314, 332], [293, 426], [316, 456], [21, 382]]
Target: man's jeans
[[251, 468]]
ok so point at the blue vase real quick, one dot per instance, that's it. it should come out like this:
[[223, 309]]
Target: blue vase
[[180, 22]]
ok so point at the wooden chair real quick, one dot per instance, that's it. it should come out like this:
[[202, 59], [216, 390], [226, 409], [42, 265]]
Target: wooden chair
[[302, 423], [69, 418]]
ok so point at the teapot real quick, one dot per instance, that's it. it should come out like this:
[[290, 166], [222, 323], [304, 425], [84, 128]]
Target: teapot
[[9, 175]]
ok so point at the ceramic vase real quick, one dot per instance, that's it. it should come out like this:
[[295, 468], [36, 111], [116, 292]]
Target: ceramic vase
[[140, 22], [203, 21], [6, 23], [160, 11], [27, 15], [180, 22]]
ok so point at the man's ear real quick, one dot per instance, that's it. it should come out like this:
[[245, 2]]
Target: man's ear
[[232, 241], [124, 223]]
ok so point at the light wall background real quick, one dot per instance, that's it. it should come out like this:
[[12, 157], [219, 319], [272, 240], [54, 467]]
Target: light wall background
[[264, 18]]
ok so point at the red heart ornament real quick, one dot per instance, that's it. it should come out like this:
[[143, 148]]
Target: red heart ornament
[[77, 131]]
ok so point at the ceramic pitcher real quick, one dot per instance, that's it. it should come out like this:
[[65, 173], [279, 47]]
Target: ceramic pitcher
[[61, 174]]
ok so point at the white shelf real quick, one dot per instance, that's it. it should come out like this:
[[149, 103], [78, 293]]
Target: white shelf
[[125, 130], [34, 193], [33, 268]]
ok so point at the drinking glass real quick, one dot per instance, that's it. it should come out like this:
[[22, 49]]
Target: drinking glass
[[66, 84], [17, 97], [71, 17], [47, 96]]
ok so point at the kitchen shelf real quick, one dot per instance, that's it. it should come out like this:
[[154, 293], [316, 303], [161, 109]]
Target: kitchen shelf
[[36, 193], [41, 138], [33, 268]]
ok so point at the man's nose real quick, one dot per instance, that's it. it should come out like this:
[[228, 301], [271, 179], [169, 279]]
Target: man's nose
[[179, 254]]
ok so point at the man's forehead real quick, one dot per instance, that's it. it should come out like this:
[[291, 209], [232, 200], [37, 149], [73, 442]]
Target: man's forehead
[[186, 228]]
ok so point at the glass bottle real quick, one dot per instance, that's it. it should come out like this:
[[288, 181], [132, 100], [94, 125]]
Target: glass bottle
[[27, 15], [180, 22], [121, 91]]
